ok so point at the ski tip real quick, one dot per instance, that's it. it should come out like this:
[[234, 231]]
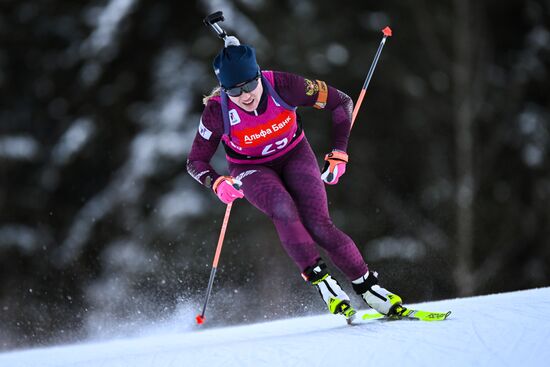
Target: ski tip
[[200, 319], [447, 314], [387, 31]]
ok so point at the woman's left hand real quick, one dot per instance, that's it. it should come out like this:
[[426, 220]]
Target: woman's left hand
[[228, 189], [335, 166]]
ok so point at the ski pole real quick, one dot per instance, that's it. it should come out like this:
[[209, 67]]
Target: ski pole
[[387, 33], [212, 20], [200, 318]]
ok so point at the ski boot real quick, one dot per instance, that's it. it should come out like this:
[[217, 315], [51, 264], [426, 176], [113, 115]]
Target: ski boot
[[377, 297], [334, 296]]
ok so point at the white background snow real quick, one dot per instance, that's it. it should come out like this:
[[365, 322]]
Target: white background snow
[[509, 329]]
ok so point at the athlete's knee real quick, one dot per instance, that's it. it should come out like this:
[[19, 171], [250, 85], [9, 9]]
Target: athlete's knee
[[318, 223], [322, 230], [284, 209]]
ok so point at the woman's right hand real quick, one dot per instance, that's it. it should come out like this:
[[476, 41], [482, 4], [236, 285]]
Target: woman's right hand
[[228, 189]]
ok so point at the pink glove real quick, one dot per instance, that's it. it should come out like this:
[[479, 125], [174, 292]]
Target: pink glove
[[228, 189], [335, 166]]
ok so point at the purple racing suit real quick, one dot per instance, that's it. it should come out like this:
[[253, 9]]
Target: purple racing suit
[[278, 169]]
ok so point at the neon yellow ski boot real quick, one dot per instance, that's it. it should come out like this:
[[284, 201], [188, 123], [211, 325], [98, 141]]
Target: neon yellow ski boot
[[379, 298], [336, 299]]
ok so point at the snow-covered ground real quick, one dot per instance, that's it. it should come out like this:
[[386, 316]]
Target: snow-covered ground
[[509, 329]]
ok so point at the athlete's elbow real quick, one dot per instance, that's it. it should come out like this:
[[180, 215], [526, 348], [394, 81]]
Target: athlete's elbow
[[190, 166], [345, 99]]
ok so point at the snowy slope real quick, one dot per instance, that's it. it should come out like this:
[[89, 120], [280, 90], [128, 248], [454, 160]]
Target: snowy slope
[[510, 329]]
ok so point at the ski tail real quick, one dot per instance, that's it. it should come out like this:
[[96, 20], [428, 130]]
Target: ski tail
[[348, 312]]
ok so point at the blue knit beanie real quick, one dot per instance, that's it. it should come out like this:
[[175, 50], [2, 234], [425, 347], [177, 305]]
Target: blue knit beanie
[[235, 64]]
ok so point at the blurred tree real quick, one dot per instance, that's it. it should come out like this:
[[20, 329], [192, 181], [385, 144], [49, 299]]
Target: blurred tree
[[466, 44]]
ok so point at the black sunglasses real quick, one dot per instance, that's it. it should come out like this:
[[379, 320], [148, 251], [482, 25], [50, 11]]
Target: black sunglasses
[[247, 87]]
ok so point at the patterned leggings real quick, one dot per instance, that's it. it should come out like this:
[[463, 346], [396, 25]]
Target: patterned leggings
[[290, 191]]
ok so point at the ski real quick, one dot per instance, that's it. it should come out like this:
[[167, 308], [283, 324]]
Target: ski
[[409, 314]]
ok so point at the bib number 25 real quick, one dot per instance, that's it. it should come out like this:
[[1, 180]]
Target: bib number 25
[[272, 148]]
